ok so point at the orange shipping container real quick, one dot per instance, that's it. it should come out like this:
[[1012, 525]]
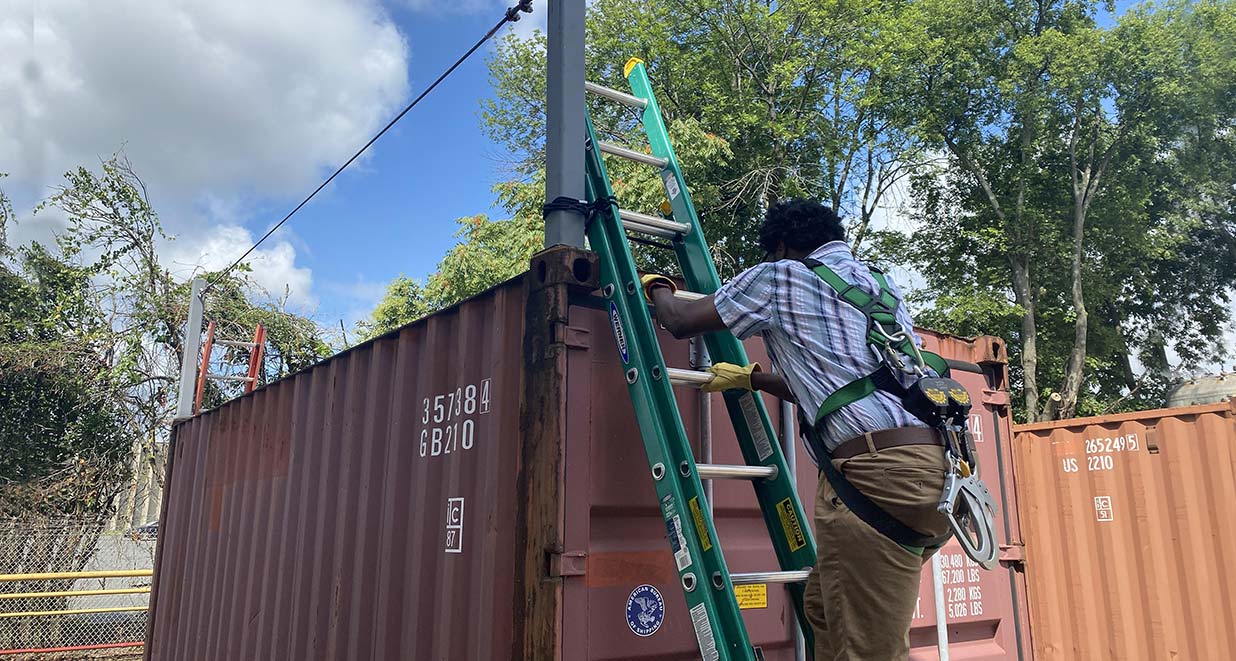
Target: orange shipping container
[[1128, 521]]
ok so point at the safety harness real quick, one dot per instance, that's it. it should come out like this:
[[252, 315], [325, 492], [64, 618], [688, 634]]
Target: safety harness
[[939, 401]]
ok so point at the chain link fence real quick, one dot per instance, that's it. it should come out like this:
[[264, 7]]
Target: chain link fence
[[97, 592]]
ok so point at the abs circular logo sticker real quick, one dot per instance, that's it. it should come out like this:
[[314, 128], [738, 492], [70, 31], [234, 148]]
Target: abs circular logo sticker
[[645, 610]]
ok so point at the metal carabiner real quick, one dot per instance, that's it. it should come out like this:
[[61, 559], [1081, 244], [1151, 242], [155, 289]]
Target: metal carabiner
[[971, 514], [918, 367]]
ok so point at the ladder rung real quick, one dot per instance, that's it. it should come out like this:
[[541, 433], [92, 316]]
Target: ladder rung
[[688, 295], [225, 377], [734, 472], [688, 377], [642, 222], [620, 97], [610, 148], [770, 577], [236, 343]]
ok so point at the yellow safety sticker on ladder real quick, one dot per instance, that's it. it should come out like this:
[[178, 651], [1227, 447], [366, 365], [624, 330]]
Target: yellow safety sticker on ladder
[[789, 523], [701, 528], [754, 595]]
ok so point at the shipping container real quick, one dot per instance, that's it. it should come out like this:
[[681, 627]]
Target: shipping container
[[472, 486], [1127, 522]]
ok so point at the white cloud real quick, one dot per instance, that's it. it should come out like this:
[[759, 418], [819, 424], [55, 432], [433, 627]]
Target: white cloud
[[358, 299], [274, 264], [219, 105]]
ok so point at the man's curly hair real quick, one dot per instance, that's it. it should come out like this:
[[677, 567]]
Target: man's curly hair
[[801, 225]]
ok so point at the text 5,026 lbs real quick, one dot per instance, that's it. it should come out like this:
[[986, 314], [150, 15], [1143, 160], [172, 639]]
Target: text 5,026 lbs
[[447, 421]]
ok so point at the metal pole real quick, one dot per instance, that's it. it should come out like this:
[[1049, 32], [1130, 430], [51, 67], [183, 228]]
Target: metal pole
[[937, 584], [789, 445], [564, 125], [188, 362]]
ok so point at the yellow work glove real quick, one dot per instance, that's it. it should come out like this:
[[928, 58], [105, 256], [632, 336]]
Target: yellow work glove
[[652, 281], [728, 376]]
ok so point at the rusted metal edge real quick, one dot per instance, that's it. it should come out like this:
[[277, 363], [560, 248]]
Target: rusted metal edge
[[391, 334], [556, 276], [160, 540], [1228, 406]]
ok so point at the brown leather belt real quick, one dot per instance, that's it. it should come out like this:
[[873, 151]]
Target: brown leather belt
[[885, 439]]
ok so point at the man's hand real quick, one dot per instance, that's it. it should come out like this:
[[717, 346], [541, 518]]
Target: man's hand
[[728, 376], [652, 282]]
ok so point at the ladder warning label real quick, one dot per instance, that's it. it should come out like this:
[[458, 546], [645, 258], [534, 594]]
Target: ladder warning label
[[790, 524], [701, 527], [763, 446], [671, 186], [673, 530], [703, 633], [752, 596]]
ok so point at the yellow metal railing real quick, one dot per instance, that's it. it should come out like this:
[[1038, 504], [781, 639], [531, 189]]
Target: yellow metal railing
[[74, 575], [74, 611], [66, 575], [72, 593]]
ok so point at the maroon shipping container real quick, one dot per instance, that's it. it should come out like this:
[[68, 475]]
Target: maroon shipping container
[[473, 486]]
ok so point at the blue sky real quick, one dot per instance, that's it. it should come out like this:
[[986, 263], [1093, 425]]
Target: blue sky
[[232, 111], [395, 213]]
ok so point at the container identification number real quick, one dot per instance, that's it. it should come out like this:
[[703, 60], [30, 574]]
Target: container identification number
[[447, 419], [1100, 453]]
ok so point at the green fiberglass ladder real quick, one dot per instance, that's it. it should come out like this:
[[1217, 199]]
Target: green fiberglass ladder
[[707, 583]]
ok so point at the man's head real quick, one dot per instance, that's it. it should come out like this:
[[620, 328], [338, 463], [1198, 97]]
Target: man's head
[[794, 228]]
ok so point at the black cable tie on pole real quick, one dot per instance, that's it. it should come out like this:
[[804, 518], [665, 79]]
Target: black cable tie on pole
[[588, 210], [601, 205], [569, 204]]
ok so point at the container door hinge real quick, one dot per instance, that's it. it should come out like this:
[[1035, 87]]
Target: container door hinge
[[577, 338], [1013, 554], [995, 398], [567, 563]]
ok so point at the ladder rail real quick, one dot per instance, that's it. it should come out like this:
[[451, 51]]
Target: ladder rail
[[708, 585], [705, 578]]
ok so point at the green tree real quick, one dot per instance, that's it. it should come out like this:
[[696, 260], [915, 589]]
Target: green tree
[[64, 431], [489, 253], [763, 100], [1064, 140], [93, 326]]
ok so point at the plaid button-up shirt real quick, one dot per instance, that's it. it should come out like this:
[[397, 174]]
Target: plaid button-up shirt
[[817, 342]]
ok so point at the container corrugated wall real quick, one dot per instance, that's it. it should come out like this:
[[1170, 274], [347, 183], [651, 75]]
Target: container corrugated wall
[[361, 509], [474, 487], [1128, 520]]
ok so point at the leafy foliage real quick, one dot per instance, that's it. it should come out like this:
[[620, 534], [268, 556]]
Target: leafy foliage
[[1070, 180], [1068, 202], [491, 252], [91, 340]]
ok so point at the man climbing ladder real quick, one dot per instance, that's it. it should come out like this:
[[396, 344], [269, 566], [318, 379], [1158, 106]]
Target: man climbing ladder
[[881, 418], [861, 595]]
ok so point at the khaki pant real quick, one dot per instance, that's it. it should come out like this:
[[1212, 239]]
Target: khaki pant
[[861, 595]]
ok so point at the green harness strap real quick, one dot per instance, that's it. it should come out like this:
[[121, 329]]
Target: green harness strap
[[880, 310]]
